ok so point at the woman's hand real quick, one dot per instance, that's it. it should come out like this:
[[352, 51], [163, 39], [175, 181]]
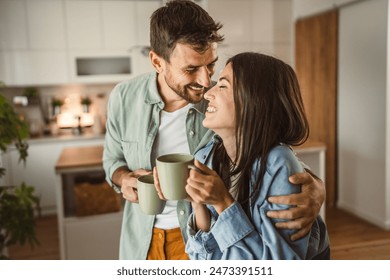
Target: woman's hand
[[208, 188], [202, 216]]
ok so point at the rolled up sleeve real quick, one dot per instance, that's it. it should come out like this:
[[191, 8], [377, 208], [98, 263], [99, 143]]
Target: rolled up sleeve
[[113, 157]]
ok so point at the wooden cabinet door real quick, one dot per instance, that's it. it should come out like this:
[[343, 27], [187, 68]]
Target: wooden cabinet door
[[316, 67]]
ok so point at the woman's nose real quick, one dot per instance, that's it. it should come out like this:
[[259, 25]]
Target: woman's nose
[[210, 93]]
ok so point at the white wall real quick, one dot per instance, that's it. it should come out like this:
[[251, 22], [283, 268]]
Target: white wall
[[304, 8], [254, 25], [363, 147], [363, 104]]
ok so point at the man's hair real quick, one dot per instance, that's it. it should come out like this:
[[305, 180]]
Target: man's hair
[[182, 21]]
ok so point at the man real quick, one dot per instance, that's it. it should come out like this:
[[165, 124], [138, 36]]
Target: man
[[161, 113]]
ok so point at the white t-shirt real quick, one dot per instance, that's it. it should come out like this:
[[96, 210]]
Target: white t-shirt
[[171, 138]]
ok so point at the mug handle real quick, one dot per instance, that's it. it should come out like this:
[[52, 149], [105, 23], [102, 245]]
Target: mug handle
[[193, 167]]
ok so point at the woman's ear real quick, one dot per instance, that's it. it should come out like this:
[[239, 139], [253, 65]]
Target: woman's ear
[[157, 61]]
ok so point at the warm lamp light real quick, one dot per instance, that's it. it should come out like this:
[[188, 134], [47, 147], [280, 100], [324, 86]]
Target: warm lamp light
[[66, 120], [86, 119]]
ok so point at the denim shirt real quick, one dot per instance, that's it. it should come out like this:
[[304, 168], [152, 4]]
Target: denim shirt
[[235, 236], [132, 125]]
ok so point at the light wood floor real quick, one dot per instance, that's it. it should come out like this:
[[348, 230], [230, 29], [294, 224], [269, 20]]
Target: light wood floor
[[354, 239], [351, 239]]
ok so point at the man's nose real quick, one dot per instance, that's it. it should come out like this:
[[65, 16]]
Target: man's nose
[[204, 77]]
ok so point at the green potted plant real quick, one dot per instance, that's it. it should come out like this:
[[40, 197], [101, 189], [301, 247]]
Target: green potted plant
[[56, 105], [32, 95], [17, 203], [86, 102]]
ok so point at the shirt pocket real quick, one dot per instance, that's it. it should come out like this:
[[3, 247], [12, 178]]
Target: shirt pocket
[[130, 151]]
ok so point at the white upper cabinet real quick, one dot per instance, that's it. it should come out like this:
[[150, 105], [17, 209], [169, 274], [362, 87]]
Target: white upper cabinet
[[13, 32], [43, 41], [46, 25], [83, 23], [144, 10], [36, 68], [108, 25], [33, 48], [254, 25], [32, 25], [119, 25], [236, 17]]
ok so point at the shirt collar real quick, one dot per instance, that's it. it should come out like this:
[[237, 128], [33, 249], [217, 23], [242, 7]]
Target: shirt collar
[[152, 95]]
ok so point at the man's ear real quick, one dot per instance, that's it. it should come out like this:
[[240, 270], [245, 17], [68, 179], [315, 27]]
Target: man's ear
[[157, 61]]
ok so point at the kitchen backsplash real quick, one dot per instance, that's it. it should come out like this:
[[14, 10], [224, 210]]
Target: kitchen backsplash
[[41, 117]]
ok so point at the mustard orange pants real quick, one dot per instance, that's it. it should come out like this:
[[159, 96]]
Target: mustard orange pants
[[167, 244]]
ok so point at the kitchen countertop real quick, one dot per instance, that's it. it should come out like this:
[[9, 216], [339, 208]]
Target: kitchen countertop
[[90, 156], [64, 137], [79, 157], [310, 146]]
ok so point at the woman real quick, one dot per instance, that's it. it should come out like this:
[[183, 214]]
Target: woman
[[256, 111]]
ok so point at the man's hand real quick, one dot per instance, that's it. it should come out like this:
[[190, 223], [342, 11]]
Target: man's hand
[[308, 204], [128, 182]]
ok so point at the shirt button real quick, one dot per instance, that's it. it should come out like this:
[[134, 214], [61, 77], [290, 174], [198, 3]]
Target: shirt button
[[190, 111], [192, 133], [181, 212]]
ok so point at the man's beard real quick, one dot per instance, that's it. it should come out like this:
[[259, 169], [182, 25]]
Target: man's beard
[[183, 92]]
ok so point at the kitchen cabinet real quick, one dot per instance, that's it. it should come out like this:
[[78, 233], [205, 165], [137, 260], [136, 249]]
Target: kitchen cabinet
[[31, 25], [109, 29], [46, 25], [39, 169], [41, 40], [143, 11], [83, 24], [33, 51], [140, 56], [29, 67], [13, 22], [108, 25], [104, 66], [250, 25], [119, 24], [87, 237]]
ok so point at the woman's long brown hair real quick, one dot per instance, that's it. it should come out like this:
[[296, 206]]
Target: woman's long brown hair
[[269, 111]]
